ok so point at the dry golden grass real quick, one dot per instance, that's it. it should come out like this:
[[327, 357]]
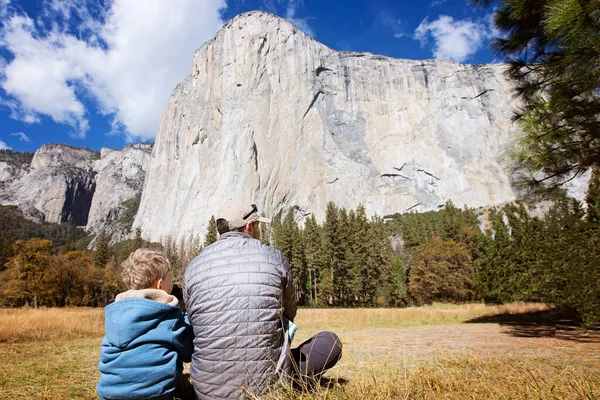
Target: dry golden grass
[[414, 353], [456, 378], [28, 324], [436, 314]]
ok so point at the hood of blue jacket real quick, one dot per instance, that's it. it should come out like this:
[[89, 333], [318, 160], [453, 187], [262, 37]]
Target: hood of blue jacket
[[131, 317]]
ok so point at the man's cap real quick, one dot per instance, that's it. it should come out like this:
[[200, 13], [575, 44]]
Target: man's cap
[[238, 213]]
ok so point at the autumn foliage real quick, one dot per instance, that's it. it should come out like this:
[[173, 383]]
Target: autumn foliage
[[34, 277]]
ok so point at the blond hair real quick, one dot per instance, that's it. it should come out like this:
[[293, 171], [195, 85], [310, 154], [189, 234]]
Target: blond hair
[[143, 267]]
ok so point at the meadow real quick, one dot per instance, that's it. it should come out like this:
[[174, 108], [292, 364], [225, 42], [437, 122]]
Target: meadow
[[474, 351]]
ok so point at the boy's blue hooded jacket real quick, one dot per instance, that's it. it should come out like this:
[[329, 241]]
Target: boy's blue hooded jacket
[[147, 338]]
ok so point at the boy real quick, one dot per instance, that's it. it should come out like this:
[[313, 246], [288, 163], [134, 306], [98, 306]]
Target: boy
[[147, 336]]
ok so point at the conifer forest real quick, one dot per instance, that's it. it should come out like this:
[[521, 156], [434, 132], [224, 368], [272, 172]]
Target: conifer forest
[[349, 260]]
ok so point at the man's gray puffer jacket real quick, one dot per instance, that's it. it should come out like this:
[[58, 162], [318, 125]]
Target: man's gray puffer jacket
[[237, 292]]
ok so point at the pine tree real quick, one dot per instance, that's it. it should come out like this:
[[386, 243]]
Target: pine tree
[[593, 197], [553, 47], [333, 251], [102, 253], [313, 254], [361, 276], [138, 242], [211, 232], [380, 264], [299, 265], [343, 266], [285, 239]]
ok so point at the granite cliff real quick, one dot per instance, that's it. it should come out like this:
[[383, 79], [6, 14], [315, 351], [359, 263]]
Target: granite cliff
[[272, 116], [65, 184]]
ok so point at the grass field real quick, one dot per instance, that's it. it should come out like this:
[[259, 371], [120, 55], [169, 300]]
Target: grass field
[[519, 351]]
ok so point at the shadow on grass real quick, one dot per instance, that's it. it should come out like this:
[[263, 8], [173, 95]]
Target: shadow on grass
[[329, 383], [559, 323]]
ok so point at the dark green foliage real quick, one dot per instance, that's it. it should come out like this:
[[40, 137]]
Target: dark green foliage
[[131, 207], [13, 227], [347, 262], [211, 232], [102, 254], [16, 158], [138, 242], [593, 197], [314, 257], [448, 224], [121, 250], [553, 47], [555, 259], [288, 238]]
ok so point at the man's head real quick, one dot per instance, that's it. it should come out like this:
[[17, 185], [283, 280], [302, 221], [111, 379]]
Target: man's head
[[145, 269], [236, 215]]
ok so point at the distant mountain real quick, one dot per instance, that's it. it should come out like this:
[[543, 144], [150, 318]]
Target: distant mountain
[[65, 184], [271, 116]]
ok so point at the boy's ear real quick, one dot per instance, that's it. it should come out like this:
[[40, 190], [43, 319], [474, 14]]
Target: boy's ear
[[157, 284]]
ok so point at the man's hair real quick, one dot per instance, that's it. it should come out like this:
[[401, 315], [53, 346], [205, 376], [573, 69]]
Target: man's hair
[[223, 227], [143, 267]]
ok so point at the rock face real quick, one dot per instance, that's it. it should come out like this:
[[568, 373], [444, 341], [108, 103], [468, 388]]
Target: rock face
[[119, 181], [64, 184], [13, 166], [273, 117], [56, 187]]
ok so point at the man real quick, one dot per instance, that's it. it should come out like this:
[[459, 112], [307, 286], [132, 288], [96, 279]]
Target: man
[[240, 297]]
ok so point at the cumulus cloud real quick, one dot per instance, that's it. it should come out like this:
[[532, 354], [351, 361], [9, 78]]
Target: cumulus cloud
[[452, 40], [125, 58], [22, 137], [301, 23], [4, 146]]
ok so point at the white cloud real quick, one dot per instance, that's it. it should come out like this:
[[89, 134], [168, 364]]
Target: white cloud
[[22, 137], [4, 146], [127, 58], [435, 3], [301, 23], [453, 40], [495, 32]]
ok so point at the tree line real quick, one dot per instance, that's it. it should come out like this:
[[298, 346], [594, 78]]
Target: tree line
[[347, 261], [451, 255], [515, 257]]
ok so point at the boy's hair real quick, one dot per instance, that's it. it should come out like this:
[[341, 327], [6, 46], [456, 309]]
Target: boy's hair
[[143, 267]]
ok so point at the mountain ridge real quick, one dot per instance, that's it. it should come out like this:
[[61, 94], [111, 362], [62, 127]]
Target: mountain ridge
[[271, 116]]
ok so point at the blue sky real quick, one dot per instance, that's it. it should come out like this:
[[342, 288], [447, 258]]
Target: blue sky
[[98, 73]]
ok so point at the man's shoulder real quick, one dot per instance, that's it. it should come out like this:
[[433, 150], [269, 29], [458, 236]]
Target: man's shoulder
[[247, 247]]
